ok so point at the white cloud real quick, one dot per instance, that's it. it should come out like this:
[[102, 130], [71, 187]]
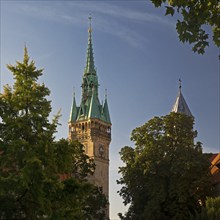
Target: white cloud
[[107, 16], [119, 12]]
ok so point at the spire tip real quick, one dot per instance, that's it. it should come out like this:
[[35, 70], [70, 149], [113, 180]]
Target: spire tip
[[105, 94], [180, 83], [90, 23], [74, 93]]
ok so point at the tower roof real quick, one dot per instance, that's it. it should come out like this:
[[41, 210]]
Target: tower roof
[[73, 112], [90, 106], [180, 104]]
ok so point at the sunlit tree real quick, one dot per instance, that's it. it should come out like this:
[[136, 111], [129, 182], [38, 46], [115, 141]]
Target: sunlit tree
[[166, 175], [33, 165]]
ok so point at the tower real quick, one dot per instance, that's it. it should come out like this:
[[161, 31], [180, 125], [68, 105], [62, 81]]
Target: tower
[[90, 122], [180, 103]]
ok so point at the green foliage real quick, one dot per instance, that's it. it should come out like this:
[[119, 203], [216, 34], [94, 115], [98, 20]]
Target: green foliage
[[32, 163], [195, 16], [213, 207], [70, 158], [165, 175], [78, 200], [210, 212]]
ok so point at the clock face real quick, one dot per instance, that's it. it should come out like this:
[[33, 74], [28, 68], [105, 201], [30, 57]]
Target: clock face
[[101, 150]]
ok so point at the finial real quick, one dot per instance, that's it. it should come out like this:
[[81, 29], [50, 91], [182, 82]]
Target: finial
[[105, 93], [90, 25], [180, 83], [74, 94]]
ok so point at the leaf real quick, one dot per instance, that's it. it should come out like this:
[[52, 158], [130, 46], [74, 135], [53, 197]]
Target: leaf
[[157, 3], [169, 11]]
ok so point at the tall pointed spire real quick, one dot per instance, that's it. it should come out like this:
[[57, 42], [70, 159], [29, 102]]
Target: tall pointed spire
[[90, 66], [180, 105], [90, 106], [90, 78]]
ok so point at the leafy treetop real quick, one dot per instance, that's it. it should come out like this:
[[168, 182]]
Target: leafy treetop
[[32, 162], [195, 16]]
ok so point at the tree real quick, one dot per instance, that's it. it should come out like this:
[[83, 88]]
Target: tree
[[196, 15], [32, 163], [165, 176]]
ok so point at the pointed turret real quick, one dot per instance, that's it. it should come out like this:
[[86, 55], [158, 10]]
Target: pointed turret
[[73, 112], [106, 111], [180, 105]]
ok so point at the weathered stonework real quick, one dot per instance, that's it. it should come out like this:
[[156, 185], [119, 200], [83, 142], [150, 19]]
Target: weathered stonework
[[95, 135]]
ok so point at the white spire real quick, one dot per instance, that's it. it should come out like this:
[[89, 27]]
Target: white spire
[[180, 105]]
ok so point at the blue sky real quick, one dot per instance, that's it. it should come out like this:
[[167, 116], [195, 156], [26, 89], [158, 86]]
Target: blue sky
[[139, 60]]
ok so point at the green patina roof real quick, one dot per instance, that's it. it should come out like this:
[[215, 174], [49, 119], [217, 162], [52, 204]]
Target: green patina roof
[[90, 106], [94, 108]]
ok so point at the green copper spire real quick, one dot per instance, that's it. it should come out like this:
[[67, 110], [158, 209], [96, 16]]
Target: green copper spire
[[90, 107], [90, 79], [106, 111], [73, 113], [90, 66]]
